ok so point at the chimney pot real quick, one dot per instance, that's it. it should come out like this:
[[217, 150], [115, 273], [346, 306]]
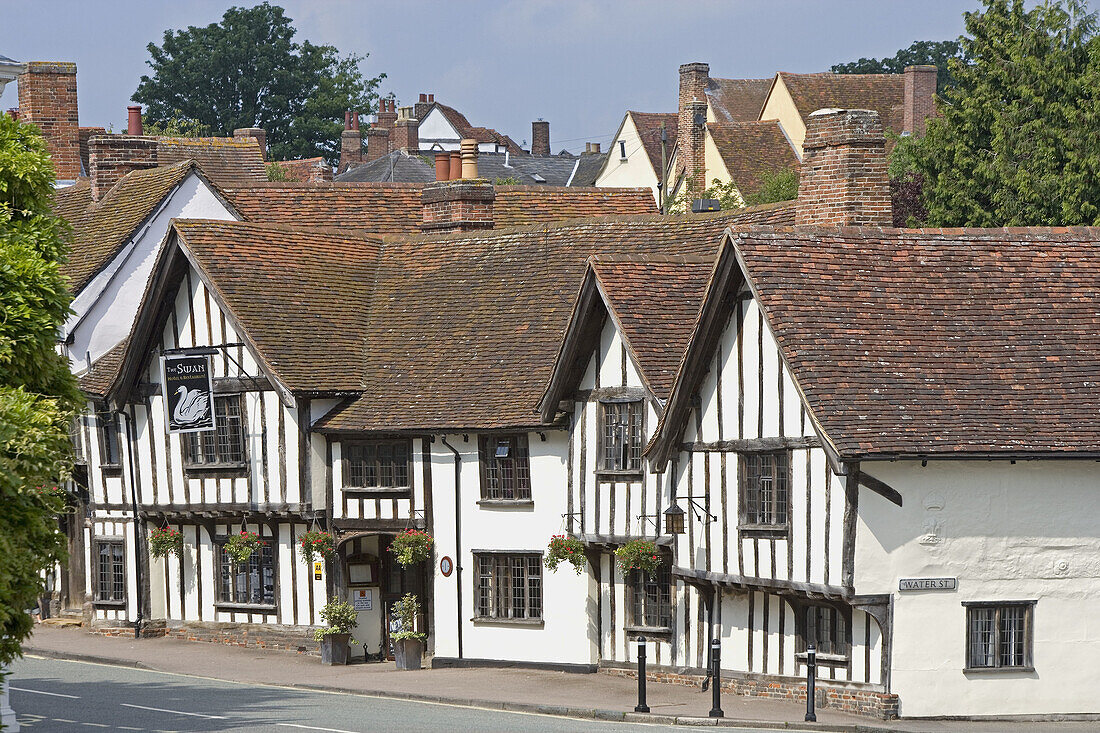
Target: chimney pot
[[347, 119], [431, 99], [456, 165], [355, 120], [442, 166], [469, 158], [423, 97]]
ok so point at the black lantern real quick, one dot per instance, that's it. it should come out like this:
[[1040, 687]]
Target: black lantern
[[674, 520]]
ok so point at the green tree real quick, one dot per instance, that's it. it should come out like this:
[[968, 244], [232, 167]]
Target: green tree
[[935, 53], [248, 71], [781, 185], [1015, 145], [38, 394]]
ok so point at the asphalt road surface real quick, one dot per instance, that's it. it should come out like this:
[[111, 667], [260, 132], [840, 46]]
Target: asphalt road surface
[[51, 695]]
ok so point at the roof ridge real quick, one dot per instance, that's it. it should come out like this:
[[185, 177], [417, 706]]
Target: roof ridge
[[281, 227]]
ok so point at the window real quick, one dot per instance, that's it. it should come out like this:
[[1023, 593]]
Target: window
[[622, 149], [621, 436], [826, 627], [380, 463], [223, 446], [107, 423], [251, 582], [110, 578], [998, 635], [765, 489], [509, 586], [650, 600], [505, 467]]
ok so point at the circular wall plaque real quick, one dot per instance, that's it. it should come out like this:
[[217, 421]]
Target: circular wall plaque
[[446, 566]]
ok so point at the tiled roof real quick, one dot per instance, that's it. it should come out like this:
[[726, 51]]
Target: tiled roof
[[72, 202], [395, 208], [464, 329], [737, 100], [382, 208], [588, 169], [226, 161], [648, 125], [938, 342], [397, 166], [99, 378], [752, 149], [526, 169], [655, 300], [305, 170], [884, 93], [108, 224], [481, 134], [523, 205], [300, 295]]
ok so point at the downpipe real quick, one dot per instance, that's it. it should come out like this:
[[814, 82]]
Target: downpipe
[[138, 578], [458, 536]]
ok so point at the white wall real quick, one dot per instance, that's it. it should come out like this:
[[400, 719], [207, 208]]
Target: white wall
[[104, 311], [636, 171], [1024, 531]]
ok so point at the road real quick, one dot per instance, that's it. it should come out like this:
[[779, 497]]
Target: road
[[51, 695]]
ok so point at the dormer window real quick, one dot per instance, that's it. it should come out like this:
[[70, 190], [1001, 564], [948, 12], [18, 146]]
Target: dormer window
[[621, 437]]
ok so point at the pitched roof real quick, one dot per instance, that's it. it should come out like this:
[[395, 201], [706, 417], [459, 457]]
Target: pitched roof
[[481, 134], [750, 150], [938, 342], [99, 378], [71, 202], [464, 329], [526, 169], [648, 125], [307, 170], [588, 169], [227, 161], [300, 295], [655, 301], [105, 226], [737, 100], [395, 208], [884, 93], [397, 166]]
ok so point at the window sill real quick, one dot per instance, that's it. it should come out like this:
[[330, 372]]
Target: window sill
[[109, 604], [649, 630], [998, 670], [245, 607], [378, 492], [769, 531], [618, 475], [216, 469], [828, 660], [506, 503], [111, 469], [484, 621]]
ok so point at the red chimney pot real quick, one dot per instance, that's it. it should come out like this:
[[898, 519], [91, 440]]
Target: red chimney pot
[[133, 122]]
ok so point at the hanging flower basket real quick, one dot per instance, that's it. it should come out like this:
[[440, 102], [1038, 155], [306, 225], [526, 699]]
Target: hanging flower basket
[[565, 549], [241, 546], [56, 498], [638, 555], [165, 541], [412, 546], [316, 544]]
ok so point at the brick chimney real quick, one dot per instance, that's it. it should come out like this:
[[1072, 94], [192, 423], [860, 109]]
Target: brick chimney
[[540, 138], [405, 131], [111, 157], [387, 114], [259, 133], [843, 179], [920, 97], [457, 206], [378, 143], [47, 98], [420, 109], [691, 137], [351, 143], [592, 148]]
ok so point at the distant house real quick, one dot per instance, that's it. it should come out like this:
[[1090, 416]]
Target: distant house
[[402, 166], [639, 153]]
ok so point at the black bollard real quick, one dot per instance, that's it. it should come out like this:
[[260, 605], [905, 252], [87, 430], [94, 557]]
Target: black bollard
[[715, 679], [811, 678], [641, 707]]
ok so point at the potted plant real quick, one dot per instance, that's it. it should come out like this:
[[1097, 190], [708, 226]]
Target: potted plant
[[165, 541], [563, 548], [638, 555], [336, 637], [408, 644], [412, 546], [316, 544], [241, 546]]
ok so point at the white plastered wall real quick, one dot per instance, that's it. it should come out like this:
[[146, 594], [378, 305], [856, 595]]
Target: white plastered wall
[[636, 171], [780, 106]]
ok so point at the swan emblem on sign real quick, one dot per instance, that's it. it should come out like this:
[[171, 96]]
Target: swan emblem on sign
[[192, 406]]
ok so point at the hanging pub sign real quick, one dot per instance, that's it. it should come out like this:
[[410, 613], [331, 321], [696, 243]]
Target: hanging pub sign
[[188, 393]]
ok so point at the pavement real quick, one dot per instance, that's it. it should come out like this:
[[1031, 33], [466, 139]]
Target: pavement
[[586, 696]]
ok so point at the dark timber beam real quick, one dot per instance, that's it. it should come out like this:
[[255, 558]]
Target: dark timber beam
[[881, 488]]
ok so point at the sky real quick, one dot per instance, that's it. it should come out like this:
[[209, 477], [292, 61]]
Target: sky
[[502, 63]]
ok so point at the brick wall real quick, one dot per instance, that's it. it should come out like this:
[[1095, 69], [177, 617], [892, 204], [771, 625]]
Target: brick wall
[[920, 97], [843, 179], [405, 134], [47, 98], [378, 143], [259, 636], [859, 700], [457, 206], [690, 138], [113, 156], [351, 149]]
